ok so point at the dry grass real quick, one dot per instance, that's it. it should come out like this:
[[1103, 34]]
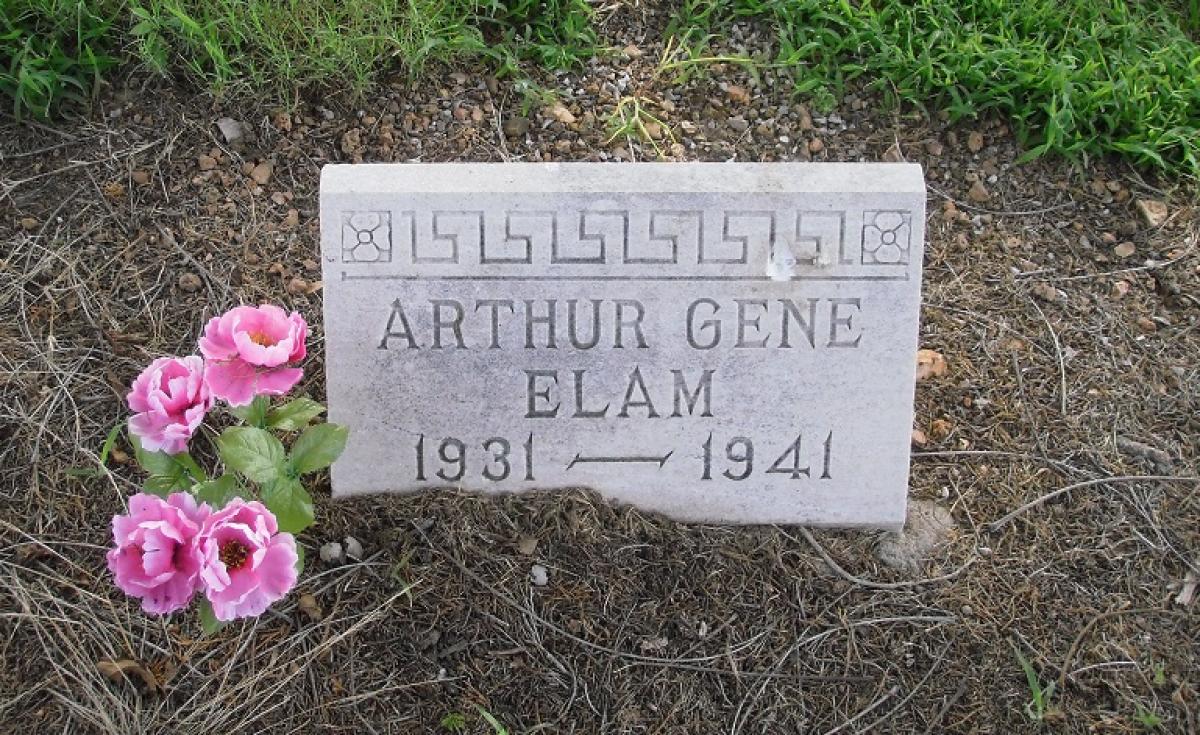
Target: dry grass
[[647, 626]]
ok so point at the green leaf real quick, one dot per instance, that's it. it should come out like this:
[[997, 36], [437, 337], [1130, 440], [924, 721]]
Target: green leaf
[[294, 415], [109, 441], [299, 559], [291, 504], [164, 485], [154, 463], [208, 619], [217, 492], [317, 447], [255, 413], [252, 451]]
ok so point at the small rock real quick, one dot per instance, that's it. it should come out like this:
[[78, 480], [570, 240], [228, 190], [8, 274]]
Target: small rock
[[1045, 292], [893, 154], [806, 123], [29, 224], [816, 146], [516, 126], [978, 192], [354, 549], [1147, 325], [190, 282], [526, 545], [351, 141], [292, 220], [1153, 212], [559, 112], [934, 148], [331, 553], [539, 575], [1124, 250], [975, 141], [928, 525], [231, 129], [206, 163], [262, 173], [632, 51], [140, 177], [738, 95], [930, 364], [918, 438], [739, 124]]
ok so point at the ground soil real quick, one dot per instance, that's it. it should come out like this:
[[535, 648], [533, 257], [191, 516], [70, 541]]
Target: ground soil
[[1069, 328]]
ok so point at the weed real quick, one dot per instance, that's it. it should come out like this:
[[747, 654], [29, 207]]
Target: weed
[[1038, 707], [533, 95], [631, 118], [454, 722], [1160, 673], [498, 728], [1147, 718]]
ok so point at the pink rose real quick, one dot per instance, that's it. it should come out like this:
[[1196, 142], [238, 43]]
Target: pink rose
[[249, 349], [246, 564], [169, 400], [156, 558]]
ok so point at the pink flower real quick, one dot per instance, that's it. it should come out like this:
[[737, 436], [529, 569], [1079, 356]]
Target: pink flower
[[156, 558], [249, 349], [246, 564], [169, 400]]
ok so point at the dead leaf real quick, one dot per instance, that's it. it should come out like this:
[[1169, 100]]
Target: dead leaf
[[919, 438], [650, 645], [738, 94], [1153, 211], [125, 669], [308, 605], [262, 173], [930, 364]]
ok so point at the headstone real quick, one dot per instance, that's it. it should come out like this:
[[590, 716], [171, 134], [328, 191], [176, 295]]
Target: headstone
[[717, 342]]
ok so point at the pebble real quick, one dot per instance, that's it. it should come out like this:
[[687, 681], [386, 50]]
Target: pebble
[[816, 145], [331, 553], [231, 129], [206, 163], [1125, 249], [515, 127], [1153, 212], [262, 173], [739, 124], [934, 148], [140, 177], [353, 548], [978, 192], [526, 545], [738, 94], [190, 282], [975, 141]]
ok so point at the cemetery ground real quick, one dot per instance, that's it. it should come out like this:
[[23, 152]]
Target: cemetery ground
[[1049, 581]]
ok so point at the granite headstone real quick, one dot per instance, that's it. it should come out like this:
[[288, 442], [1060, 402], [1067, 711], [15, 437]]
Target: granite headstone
[[729, 342]]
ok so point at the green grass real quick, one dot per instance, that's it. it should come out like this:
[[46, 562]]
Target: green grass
[[1072, 77], [52, 51]]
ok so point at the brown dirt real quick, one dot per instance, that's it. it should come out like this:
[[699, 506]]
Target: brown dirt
[[119, 240]]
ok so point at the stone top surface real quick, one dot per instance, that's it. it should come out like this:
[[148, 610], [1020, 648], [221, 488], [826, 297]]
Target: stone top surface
[[623, 177]]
